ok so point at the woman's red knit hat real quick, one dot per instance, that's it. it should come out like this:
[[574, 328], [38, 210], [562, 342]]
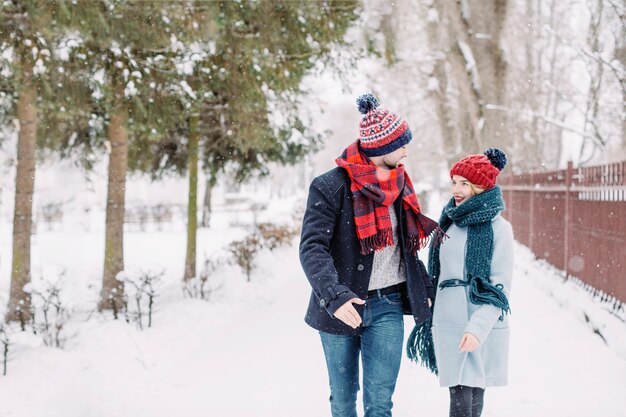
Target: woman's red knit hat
[[482, 169]]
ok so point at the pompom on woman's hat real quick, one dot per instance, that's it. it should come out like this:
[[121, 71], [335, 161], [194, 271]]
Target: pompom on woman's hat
[[380, 131], [482, 169]]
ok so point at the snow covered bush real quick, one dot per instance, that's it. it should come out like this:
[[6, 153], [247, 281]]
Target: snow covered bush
[[49, 311], [4, 345], [202, 287], [22, 313], [141, 289], [244, 252], [51, 213], [274, 235], [264, 236]]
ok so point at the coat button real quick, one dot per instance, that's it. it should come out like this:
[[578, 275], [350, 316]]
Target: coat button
[[360, 267], [322, 302]]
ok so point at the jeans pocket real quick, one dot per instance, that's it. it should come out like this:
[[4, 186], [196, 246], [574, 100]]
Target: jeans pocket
[[393, 298]]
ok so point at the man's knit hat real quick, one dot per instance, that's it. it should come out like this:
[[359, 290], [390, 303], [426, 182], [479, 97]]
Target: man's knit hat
[[483, 169], [380, 131]]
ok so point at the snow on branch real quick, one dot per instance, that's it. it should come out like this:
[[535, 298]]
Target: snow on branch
[[619, 9], [616, 68], [470, 65], [543, 117]]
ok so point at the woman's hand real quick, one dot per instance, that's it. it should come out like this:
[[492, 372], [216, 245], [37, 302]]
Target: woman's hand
[[469, 343]]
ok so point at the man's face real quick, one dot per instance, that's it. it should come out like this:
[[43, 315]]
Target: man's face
[[393, 159]]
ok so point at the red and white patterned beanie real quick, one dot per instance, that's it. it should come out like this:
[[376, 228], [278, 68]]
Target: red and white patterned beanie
[[380, 131]]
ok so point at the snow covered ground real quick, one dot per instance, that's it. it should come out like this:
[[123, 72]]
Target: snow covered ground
[[248, 352]]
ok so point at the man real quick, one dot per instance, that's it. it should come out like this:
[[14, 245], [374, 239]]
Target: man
[[360, 235]]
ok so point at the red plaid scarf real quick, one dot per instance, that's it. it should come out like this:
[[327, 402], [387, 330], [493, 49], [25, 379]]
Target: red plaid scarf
[[374, 189]]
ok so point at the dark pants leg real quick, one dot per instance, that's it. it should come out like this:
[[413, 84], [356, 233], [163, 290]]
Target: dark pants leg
[[466, 401]]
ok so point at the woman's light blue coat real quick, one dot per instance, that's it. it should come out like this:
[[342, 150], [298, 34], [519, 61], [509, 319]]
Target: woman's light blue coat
[[453, 315]]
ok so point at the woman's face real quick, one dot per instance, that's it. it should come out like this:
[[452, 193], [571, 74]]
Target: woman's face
[[461, 189]]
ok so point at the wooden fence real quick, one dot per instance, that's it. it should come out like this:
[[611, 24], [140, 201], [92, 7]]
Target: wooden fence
[[575, 219]]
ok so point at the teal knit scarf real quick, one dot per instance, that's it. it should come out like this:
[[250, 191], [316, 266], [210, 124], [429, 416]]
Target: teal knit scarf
[[475, 214]]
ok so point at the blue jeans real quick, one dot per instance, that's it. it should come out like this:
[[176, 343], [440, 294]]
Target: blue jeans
[[380, 345]]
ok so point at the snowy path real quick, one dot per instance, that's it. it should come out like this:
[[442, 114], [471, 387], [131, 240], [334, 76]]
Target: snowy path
[[249, 353], [558, 367]]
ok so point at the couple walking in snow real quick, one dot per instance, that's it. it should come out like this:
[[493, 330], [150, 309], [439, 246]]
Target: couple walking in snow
[[361, 232]]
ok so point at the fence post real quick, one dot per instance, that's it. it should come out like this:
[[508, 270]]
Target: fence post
[[567, 219]]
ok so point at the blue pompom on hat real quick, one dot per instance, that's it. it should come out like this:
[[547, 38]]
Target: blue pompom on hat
[[497, 157], [380, 131]]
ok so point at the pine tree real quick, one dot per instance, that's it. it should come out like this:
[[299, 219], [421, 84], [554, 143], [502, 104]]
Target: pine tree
[[122, 47], [247, 59], [28, 35]]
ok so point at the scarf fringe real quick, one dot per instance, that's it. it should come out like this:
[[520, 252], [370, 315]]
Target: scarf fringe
[[378, 241], [482, 291], [436, 237], [420, 347], [439, 236]]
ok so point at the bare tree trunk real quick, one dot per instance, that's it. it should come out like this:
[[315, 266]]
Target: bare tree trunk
[[620, 54], [526, 146], [111, 296], [445, 112], [481, 23], [465, 72], [19, 301], [550, 134], [207, 204], [386, 26], [496, 129], [593, 96], [472, 43], [192, 205]]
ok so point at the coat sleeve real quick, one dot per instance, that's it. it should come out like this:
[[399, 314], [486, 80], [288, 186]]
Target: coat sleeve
[[318, 228], [485, 317]]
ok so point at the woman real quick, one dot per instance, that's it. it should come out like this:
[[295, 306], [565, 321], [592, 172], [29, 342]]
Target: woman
[[473, 269]]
